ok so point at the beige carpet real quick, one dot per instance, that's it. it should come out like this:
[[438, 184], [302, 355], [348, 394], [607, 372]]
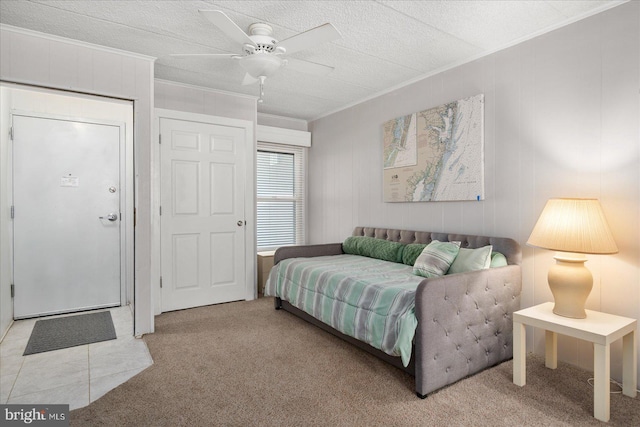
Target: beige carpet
[[245, 364]]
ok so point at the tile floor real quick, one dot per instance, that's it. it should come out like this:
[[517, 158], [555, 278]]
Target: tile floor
[[77, 375]]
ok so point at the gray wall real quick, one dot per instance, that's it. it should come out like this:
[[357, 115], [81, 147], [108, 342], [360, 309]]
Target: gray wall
[[42, 60], [561, 120], [193, 99], [282, 122]]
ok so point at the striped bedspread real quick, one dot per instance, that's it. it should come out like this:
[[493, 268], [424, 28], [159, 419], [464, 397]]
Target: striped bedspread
[[365, 298]]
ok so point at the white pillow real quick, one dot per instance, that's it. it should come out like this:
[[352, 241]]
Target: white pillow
[[436, 258], [471, 260]]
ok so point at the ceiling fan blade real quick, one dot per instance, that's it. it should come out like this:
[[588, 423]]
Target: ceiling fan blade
[[203, 55], [308, 67], [315, 36], [249, 80], [224, 23]]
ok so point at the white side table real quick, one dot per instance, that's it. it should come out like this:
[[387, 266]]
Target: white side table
[[599, 328]]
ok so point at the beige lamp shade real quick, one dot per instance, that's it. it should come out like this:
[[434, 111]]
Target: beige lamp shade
[[573, 225]]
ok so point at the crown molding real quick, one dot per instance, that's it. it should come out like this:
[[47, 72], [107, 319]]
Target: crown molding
[[206, 89], [606, 6], [275, 116], [25, 31]]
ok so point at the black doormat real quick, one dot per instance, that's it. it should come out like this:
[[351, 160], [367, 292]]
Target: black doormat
[[71, 331]]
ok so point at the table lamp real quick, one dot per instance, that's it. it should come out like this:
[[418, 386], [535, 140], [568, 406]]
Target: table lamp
[[572, 227]]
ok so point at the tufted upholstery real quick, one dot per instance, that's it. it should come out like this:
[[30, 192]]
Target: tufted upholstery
[[307, 251], [464, 324], [465, 321], [508, 247]]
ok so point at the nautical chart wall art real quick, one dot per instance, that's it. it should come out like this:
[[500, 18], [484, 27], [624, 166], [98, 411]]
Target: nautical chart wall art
[[436, 154]]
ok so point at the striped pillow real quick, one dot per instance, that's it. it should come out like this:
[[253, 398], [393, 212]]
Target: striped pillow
[[436, 258]]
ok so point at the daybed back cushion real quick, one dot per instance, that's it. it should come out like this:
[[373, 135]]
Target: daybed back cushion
[[373, 248], [498, 260], [508, 247], [411, 252]]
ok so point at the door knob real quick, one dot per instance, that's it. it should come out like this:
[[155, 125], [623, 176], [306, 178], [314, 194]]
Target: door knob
[[110, 217], [240, 223]]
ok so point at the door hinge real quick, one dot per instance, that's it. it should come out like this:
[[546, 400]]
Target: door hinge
[[13, 290], [13, 212], [160, 139], [160, 210], [11, 133], [160, 282]]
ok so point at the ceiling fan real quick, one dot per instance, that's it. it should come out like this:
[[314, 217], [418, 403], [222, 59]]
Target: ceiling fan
[[262, 55]]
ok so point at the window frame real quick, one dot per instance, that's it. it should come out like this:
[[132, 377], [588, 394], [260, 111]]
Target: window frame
[[300, 190]]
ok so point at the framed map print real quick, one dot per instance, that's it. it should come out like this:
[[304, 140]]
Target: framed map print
[[435, 154]]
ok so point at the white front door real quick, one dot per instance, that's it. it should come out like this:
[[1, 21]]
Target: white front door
[[66, 184], [203, 214]]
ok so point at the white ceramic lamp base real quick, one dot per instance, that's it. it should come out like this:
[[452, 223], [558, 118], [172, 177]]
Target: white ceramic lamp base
[[570, 283]]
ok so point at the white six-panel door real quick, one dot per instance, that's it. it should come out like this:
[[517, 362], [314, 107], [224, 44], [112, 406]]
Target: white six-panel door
[[66, 176], [203, 213]]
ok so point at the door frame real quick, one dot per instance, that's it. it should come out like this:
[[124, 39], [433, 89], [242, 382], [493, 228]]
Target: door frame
[[126, 192], [250, 197]]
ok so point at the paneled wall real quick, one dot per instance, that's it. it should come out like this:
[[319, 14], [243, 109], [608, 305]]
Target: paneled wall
[[562, 119], [193, 99], [6, 247], [282, 122], [38, 59]]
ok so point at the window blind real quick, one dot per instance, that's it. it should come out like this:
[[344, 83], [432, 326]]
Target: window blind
[[280, 192]]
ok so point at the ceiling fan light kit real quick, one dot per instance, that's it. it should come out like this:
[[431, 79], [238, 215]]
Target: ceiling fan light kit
[[262, 55], [261, 65]]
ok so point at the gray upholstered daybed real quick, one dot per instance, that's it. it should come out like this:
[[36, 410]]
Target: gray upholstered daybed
[[464, 320]]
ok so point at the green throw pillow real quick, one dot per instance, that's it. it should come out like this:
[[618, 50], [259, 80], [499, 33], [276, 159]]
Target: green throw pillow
[[471, 260], [411, 253], [498, 260], [436, 258], [373, 248]]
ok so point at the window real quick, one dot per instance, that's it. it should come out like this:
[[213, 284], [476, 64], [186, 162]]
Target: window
[[280, 195]]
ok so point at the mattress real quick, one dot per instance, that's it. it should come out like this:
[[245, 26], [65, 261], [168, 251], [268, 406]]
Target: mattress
[[366, 298]]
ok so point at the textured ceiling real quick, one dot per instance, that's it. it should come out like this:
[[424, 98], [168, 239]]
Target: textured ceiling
[[384, 43]]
